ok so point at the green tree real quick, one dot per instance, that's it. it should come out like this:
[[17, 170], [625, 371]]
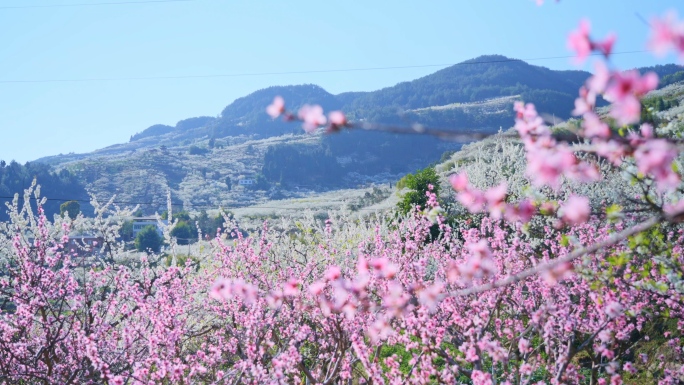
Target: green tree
[[148, 239], [194, 150], [260, 183], [418, 184], [180, 215], [71, 208], [209, 225], [184, 233], [126, 231]]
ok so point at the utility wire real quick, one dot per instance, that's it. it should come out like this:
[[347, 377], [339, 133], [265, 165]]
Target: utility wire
[[93, 4], [249, 74]]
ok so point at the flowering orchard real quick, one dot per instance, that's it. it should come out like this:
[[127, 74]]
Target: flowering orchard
[[519, 285]]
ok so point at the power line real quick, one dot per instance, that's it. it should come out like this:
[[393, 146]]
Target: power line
[[250, 74], [94, 4]]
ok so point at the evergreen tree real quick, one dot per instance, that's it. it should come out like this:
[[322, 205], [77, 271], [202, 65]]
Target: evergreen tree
[[184, 233], [148, 239], [71, 208], [418, 183]]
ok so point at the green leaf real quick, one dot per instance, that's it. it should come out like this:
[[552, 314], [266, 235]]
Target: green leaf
[[565, 241], [614, 211]]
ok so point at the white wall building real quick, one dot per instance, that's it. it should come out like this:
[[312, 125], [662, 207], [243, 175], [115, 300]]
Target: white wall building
[[140, 223]]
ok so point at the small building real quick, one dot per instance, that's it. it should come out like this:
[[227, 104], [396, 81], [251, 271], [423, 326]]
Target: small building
[[246, 182], [84, 244], [140, 223]]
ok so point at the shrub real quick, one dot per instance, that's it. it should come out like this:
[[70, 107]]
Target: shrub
[[148, 239]]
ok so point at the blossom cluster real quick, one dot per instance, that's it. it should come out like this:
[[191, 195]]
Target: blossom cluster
[[361, 302]]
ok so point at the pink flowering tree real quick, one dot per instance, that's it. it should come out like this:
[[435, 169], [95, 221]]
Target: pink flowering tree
[[540, 285], [615, 142]]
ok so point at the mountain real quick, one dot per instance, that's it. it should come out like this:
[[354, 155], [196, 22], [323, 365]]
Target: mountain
[[201, 159], [479, 79], [476, 80], [485, 77]]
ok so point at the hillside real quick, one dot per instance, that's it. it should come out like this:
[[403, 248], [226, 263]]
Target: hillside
[[201, 160]]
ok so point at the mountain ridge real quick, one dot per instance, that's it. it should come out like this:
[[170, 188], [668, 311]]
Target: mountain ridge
[[201, 160], [496, 76]]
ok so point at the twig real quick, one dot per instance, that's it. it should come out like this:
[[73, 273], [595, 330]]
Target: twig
[[615, 238]]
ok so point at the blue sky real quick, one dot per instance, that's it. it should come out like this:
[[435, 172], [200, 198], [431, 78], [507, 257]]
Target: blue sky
[[208, 37]]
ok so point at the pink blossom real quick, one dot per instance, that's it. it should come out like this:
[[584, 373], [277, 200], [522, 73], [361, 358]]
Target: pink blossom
[[605, 336], [628, 367], [349, 309], [495, 198], [481, 378], [675, 210], [480, 263], [578, 41], [667, 33], [626, 111], [594, 127], [548, 207], [220, 289], [316, 288], [605, 46], [527, 121], [276, 108], [337, 118], [473, 200], [524, 346], [380, 330], [631, 83], [546, 167], [244, 291], [599, 81], [333, 273], [385, 267], [275, 299], [585, 102], [362, 266], [395, 298], [611, 150], [291, 288], [613, 309], [453, 272], [312, 117], [557, 273], [646, 130], [526, 369], [522, 212], [624, 91], [655, 158], [584, 172], [575, 210], [459, 181], [616, 379], [429, 296], [224, 289]]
